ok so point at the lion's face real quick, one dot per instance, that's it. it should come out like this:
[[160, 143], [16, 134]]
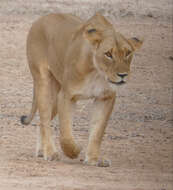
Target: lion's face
[[113, 62], [113, 53]]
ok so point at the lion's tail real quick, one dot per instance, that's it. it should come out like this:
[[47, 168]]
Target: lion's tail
[[25, 120]]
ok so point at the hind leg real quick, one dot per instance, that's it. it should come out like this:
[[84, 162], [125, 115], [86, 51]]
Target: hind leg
[[45, 106], [55, 87]]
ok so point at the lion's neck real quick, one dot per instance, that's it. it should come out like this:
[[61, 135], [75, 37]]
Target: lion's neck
[[92, 86]]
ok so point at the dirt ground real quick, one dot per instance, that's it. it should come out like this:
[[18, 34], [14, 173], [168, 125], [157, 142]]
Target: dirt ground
[[139, 136]]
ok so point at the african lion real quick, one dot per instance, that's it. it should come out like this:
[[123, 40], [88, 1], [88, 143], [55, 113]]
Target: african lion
[[71, 60]]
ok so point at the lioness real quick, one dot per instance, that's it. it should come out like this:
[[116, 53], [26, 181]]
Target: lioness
[[72, 60]]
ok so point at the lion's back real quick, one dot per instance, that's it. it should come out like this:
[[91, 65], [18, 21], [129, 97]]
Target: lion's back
[[49, 38], [54, 26]]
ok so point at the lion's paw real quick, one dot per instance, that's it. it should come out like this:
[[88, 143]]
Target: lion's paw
[[98, 163], [70, 149], [39, 153], [53, 157], [104, 163]]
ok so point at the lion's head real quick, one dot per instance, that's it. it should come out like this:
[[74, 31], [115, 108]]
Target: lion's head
[[113, 53]]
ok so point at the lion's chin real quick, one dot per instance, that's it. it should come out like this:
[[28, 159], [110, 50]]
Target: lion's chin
[[117, 86]]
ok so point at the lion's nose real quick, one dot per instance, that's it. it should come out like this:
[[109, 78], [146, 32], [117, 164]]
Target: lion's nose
[[122, 75]]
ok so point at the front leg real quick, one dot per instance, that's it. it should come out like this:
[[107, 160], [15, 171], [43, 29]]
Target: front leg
[[101, 113], [65, 108]]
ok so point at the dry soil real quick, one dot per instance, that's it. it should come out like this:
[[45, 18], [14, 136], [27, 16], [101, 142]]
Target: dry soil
[[139, 136]]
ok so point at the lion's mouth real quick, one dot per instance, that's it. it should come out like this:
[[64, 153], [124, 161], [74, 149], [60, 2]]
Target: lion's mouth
[[118, 83]]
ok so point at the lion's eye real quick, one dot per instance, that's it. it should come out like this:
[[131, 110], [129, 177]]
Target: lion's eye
[[108, 54]]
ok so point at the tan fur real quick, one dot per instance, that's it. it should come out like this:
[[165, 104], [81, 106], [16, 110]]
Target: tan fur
[[70, 60]]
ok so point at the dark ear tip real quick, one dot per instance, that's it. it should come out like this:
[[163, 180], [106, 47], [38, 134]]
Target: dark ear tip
[[91, 30], [136, 39]]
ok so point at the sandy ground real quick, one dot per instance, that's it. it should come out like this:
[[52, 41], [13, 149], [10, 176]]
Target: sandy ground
[[139, 136]]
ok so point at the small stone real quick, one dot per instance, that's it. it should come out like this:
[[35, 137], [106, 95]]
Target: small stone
[[150, 15], [171, 58]]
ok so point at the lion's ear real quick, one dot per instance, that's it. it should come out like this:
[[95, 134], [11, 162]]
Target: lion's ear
[[93, 35], [94, 28], [102, 20], [136, 43]]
